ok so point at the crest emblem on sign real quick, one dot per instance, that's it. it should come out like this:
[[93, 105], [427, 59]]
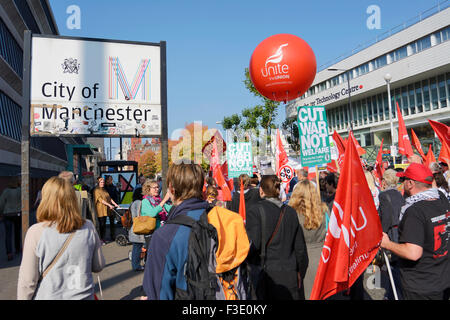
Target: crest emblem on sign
[[70, 65]]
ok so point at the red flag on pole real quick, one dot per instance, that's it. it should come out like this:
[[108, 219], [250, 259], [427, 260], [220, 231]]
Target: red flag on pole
[[404, 144], [224, 192], [443, 133], [359, 149], [416, 143], [354, 231], [379, 163], [242, 211], [280, 154], [430, 158], [340, 144]]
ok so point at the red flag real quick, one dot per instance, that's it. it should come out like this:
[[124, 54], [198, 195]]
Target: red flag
[[224, 169], [340, 144], [443, 133], [280, 155], [359, 149], [354, 231], [404, 144], [430, 158], [242, 212], [224, 192], [379, 163], [332, 167], [416, 143]]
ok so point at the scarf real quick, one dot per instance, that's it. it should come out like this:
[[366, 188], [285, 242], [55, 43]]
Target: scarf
[[430, 194], [155, 201]]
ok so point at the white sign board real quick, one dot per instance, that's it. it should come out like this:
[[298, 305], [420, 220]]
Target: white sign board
[[89, 87]]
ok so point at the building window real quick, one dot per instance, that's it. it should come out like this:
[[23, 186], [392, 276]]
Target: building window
[[446, 34], [423, 43], [386, 106], [400, 53], [322, 86], [380, 62], [10, 50], [362, 69], [426, 95], [434, 93], [369, 110], [405, 101], [10, 118], [380, 107], [436, 37], [412, 99], [419, 98], [442, 92]]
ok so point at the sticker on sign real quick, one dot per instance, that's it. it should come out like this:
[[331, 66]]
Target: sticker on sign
[[286, 173]]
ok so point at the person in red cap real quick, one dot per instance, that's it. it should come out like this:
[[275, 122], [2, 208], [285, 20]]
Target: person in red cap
[[423, 246]]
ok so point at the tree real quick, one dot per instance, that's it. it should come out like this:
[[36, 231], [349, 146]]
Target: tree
[[150, 163], [291, 126], [231, 122]]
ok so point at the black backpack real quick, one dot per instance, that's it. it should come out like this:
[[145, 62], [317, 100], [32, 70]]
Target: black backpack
[[203, 283]]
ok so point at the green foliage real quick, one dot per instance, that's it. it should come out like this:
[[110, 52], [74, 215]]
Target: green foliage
[[293, 139]]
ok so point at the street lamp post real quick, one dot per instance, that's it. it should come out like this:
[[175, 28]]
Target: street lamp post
[[347, 72], [387, 78]]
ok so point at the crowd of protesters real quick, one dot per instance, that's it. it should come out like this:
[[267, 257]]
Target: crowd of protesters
[[286, 230]]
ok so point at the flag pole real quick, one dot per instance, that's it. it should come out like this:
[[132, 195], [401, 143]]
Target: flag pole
[[317, 183], [390, 274]]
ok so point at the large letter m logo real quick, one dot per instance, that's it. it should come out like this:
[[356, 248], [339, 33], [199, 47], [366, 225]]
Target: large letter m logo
[[118, 78]]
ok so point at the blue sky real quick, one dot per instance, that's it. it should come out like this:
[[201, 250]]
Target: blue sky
[[209, 43]]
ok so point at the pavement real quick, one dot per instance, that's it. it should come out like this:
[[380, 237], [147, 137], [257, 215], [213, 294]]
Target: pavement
[[119, 282]]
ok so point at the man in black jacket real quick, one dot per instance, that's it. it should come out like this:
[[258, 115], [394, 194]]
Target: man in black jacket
[[277, 246], [251, 195]]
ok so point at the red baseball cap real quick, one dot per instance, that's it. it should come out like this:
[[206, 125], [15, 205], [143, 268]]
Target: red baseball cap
[[417, 172]]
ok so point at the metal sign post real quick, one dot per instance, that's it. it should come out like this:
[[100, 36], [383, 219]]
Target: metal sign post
[[25, 143]]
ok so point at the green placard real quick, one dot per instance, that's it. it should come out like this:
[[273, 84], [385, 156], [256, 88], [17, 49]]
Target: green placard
[[239, 159], [314, 138]]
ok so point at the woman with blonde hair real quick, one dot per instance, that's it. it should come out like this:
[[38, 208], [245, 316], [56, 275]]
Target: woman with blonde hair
[[373, 188], [61, 251], [312, 216]]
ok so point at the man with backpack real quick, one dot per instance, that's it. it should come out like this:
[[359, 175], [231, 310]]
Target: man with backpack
[[191, 242]]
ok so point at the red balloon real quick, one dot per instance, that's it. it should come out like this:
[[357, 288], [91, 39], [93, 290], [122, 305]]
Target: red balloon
[[282, 67]]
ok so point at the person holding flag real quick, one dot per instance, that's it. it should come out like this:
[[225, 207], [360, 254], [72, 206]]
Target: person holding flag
[[354, 231], [423, 238]]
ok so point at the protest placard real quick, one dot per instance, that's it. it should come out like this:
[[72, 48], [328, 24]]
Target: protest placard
[[313, 134], [239, 159]]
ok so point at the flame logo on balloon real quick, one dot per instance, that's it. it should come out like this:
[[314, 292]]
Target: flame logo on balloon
[[278, 56]]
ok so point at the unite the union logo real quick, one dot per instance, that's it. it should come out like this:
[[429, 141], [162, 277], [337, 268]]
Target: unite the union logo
[[276, 70], [336, 228]]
